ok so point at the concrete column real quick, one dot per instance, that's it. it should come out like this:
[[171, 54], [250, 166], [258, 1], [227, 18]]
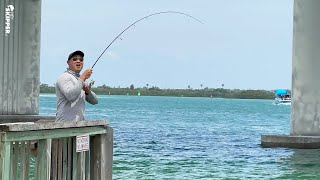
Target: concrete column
[[305, 110], [19, 56]]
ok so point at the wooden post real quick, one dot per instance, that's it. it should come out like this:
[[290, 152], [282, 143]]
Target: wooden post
[[74, 160], [25, 160], [69, 159], [26, 165], [87, 154], [60, 159], [44, 159], [102, 155], [108, 150], [5, 148], [81, 165], [14, 159], [54, 159], [96, 157], [64, 158]]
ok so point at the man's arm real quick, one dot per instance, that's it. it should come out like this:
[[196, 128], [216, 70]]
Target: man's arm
[[92, 98], [70, 88]]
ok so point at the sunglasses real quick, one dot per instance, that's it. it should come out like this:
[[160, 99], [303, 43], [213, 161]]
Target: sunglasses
[[77, 58]]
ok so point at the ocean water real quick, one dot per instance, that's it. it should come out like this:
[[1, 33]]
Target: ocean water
[[197, 138]]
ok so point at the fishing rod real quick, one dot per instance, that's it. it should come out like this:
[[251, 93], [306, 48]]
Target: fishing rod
[[164, 12]]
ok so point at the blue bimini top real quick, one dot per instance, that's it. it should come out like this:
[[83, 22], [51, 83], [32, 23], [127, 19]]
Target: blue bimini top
[[280, 92]]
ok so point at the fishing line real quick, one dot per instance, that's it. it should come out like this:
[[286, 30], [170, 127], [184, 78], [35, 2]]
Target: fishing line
[[164, 12]]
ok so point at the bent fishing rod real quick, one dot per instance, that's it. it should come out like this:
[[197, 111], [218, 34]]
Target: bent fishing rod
[[164, 12]]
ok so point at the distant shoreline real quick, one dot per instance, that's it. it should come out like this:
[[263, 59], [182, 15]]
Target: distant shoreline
[[155, 91]]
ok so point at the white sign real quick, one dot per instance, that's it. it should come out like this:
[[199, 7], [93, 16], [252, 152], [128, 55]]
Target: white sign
[[82, 143]]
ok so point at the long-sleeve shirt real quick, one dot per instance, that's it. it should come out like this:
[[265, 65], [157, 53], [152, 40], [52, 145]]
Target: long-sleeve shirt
[[71, 97]]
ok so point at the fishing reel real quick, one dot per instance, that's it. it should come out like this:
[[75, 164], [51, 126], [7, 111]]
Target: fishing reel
[[91, 83]]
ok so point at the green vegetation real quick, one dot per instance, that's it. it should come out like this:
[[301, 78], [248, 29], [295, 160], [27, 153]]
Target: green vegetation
[[45, 88], [155, 91]]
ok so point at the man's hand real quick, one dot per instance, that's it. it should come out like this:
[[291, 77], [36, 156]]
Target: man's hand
[[86, 74], [86, 88]]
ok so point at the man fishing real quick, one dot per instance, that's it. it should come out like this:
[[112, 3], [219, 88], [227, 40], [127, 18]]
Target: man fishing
[[72, 91], [71, 88]]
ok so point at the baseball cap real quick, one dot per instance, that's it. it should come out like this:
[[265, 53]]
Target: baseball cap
[[76, 53]]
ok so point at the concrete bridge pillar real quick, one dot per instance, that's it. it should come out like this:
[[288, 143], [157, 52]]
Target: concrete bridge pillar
[[305, 111], [305, 105], [19, 57]]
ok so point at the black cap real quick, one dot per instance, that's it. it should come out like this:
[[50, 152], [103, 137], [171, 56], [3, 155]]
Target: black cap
[[75, 54]]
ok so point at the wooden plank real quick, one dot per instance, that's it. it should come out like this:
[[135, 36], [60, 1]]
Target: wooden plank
[[69, 170], [36, 162], [44, 159], [102, 147], [22, 155], [87, 165], [14, 160], [74, 160], [60, 146], [54, 159], [108, 154], [81, 165], [50, 125], [51, 134], [92, 155], [2, 154], [25, 155], [5, 148], [64, 158], [95, 147]]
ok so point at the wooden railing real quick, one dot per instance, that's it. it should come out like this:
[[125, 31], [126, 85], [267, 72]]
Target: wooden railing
[[47, 150]]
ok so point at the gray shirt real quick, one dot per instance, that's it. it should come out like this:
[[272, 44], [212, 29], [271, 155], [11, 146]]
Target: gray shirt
[[71, 97]]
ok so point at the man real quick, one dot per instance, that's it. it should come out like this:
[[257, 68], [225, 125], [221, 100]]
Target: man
[[72, 90]]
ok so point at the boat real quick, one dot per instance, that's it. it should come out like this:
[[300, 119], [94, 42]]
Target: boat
[[282, 96]]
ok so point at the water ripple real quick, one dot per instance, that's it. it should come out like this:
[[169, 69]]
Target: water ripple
[[197, 138]]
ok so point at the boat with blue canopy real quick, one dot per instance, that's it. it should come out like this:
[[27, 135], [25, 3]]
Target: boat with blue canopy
[[282, 96]]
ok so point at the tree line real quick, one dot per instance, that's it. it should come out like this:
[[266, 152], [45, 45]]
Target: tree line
[[156, 91]]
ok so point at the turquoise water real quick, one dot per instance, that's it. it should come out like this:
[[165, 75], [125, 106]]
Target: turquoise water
[[197, 138]]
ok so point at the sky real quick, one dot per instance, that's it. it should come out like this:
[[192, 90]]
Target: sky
[[243, 44]]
